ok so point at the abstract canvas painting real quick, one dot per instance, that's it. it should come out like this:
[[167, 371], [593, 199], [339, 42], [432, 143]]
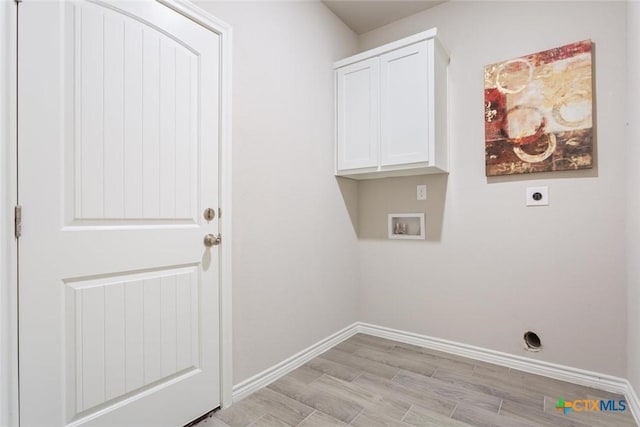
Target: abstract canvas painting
[[538, 112]]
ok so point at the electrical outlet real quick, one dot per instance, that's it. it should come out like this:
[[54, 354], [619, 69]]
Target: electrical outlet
[[422, 192], [537, 196]]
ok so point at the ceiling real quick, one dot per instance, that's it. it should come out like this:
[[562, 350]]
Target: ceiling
[[365, 15]]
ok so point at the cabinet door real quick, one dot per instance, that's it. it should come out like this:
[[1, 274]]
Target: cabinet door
[[358, 114], [406, 123]]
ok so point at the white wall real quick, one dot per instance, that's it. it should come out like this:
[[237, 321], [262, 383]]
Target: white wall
[[295, 251], [492, 268], [633, 212]]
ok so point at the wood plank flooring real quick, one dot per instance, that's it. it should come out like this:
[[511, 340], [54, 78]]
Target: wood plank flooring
[[372, 382]]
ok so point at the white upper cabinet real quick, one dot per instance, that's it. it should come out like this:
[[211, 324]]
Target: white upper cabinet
[[391, 105], [358, 92], [405, 104]]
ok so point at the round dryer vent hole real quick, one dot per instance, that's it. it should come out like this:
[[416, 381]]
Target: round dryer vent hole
[[532, 341]]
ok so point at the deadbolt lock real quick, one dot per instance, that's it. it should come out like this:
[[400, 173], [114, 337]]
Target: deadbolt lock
[[209, 214]]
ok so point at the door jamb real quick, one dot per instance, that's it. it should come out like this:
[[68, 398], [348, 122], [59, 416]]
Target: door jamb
[[9, 395]]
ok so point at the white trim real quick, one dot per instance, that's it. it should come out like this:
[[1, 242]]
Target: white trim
[[275, 372], [533, 366], [225, 223], [200, 16], [633, 402], [552, 370], [204, 18], [8, 198]]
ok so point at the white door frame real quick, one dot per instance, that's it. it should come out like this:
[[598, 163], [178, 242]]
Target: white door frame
[[8, 199], [9, 416]]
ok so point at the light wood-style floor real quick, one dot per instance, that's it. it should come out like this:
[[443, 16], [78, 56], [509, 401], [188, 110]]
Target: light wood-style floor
[[371, 382]]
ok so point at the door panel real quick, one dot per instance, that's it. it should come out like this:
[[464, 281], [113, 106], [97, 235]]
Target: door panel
[[137, 89], [130, 331], [405, 104], [357, 91], [118, 154]]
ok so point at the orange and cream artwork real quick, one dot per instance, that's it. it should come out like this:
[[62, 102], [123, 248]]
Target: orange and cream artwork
[[538, 112]]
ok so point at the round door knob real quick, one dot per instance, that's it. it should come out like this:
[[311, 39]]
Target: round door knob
[[212, 240]]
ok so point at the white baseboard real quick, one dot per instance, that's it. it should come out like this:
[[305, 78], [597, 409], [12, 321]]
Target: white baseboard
[[271, 374], [533, 366], [552, 370], [633, 402]]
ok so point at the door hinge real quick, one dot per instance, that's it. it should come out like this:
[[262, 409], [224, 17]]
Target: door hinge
[[18, 221], [219, 213]]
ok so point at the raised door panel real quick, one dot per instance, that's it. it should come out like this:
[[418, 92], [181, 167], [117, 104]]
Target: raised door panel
[[136, 148], [406, 124], [358, 115], [130, 331]]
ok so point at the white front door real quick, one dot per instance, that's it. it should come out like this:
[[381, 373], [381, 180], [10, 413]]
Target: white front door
[[118, 127]]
